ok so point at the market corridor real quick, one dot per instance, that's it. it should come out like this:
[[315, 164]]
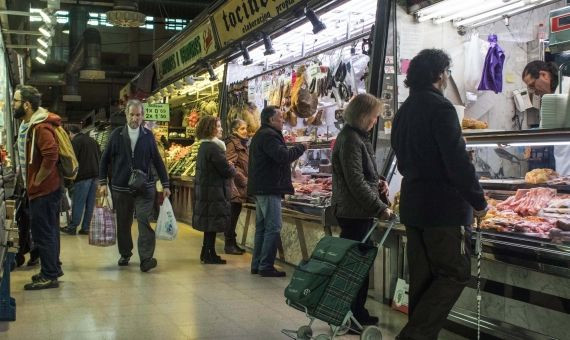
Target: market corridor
[[181, 299]]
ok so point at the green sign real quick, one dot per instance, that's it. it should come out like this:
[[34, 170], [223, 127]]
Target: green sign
[[157, 112]]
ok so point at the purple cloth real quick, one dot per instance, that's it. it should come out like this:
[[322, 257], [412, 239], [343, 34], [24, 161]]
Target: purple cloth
[[492, 79]]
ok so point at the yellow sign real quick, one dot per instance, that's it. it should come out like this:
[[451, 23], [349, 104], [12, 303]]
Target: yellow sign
[[157, 112], [198, 44], [237, 18]]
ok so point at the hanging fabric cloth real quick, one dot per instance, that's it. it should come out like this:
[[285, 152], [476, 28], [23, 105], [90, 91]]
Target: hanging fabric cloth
[[492, 79]]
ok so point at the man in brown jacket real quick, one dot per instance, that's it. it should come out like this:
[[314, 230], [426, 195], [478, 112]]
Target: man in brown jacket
[[42, 183]]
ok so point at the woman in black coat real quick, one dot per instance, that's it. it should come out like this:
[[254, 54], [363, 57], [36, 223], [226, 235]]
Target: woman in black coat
[[212, 210], [357, 187]]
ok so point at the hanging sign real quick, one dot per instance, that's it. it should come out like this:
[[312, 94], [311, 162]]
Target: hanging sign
[[237, 18], [197, 45], [158, 112]]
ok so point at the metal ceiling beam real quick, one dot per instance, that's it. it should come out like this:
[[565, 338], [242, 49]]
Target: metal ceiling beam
[[21, 46], [22, 32], [20, 13]]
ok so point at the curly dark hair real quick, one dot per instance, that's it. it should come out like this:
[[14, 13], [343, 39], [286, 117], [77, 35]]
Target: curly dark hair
[[206, 127], [426, 68], [534, 67], [30, 94]]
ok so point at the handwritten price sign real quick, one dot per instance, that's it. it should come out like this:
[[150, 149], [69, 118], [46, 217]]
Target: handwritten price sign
[[157, 112]]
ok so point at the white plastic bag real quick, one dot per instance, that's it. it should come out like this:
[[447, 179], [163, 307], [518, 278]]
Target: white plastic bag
[[166, 227]]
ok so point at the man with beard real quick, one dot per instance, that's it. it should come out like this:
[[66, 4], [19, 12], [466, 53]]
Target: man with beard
[[132, 147], [38, 164]]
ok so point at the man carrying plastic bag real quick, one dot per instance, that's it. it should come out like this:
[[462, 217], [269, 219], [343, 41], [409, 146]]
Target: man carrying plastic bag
[[166, 227]]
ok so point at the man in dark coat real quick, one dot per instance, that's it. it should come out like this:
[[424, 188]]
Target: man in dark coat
[[269, 179], [133, 147], [440, 194], [85, 186]]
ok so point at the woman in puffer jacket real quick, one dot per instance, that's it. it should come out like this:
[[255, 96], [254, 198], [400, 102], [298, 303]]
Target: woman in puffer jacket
[[213, 188]]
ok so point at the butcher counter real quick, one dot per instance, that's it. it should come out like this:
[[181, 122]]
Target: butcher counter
[[525, 286]]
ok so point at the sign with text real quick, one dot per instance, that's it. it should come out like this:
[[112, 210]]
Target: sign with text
[[198, 44], [157, 112], [237, 18]]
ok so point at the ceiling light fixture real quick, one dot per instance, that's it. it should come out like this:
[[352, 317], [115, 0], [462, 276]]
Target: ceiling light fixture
[[46, 15], [245, 53], [47, 31], [40, 59], [45, 43], [488, 14], [318, 25], [268, 44], [43, 52], [126, 13]]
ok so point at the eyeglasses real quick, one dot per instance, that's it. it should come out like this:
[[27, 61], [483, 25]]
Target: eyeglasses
[[448, 71]]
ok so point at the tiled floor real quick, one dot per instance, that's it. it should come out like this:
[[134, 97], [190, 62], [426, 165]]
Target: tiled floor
[[180, 299]]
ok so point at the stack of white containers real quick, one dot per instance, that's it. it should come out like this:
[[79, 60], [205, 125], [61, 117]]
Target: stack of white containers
[[554, 111]]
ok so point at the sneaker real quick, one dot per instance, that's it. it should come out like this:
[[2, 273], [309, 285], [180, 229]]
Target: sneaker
[[38, 276], [233, 250], [42, 283], [83, 232], [148, 264], [272, 273], [124, 261], [368, 320], [68, 230]]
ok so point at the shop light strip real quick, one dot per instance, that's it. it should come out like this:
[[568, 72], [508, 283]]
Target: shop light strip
[[430, 10], [452, 7], [495, 12], [510, 14], [506, 145], [476, 10]]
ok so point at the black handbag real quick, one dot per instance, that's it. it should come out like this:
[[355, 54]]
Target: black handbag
[[137, 180]]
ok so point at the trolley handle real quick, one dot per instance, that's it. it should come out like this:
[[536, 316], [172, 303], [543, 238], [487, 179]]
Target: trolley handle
[[391, 223]]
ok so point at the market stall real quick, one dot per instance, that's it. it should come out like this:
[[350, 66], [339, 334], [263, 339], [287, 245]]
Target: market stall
[[515, 141], [314, 70]]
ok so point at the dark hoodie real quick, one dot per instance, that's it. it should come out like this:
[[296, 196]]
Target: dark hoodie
[[42, 150]]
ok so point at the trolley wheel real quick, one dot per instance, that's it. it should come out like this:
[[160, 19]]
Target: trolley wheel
[[304, 333], [342, 329], [323, 337], [371, 333]]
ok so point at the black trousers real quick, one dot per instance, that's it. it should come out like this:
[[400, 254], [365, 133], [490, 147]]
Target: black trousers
[[209, 240], [356, 229], [230, 233], [440, 267]]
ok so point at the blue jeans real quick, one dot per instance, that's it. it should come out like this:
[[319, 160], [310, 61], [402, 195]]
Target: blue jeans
[[44, 224], [267, 231], [83, 201]]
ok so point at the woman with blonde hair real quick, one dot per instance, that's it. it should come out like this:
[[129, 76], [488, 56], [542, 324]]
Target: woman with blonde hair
[[357, 187], [212, 209], [238, 154]]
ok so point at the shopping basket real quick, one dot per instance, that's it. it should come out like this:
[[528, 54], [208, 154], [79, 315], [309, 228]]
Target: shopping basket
[[325, 286]]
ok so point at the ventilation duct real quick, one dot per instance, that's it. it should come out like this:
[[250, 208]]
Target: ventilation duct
[[85, 60]]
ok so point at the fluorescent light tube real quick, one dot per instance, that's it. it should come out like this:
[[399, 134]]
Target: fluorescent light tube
[[45, 43], [46, 31], [43, 52], [40, 59], [46, 16], [495, 12]]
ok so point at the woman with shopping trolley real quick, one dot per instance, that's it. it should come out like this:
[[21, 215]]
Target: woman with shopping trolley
[[357, 187]]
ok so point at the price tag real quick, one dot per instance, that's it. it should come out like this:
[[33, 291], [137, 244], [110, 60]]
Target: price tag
[[157, 112], [251, 91]]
